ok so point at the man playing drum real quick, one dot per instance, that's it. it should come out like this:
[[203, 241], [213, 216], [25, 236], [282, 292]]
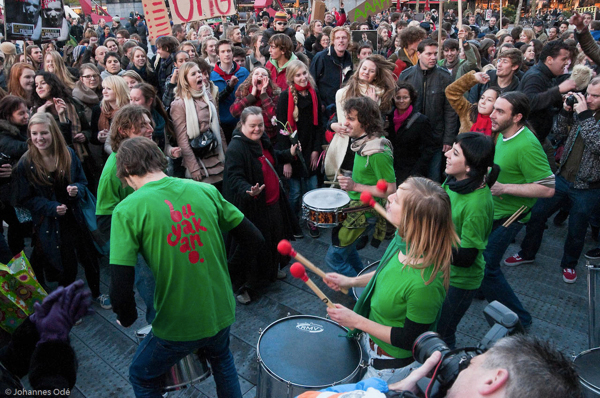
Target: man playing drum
[[185, 250], [373, 161]]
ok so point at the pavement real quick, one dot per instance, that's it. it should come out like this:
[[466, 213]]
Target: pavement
[[105, 350]]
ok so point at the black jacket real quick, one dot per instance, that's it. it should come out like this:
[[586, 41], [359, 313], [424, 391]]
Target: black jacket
[[330, 73], [544, 97], [476, 92], [264, 47], [431, 100], [13, 143], [413, 144]]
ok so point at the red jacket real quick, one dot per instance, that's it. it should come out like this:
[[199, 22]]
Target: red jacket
[[278, 74]]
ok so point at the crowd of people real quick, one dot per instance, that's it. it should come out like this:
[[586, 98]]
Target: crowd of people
[[496, 130]]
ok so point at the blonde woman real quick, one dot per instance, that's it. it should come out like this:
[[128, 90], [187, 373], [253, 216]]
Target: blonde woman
[[54, 63], [141, 65], [132, 78], [115, 95], [194, 115], [526, 36], [373, 79], [404, 296]]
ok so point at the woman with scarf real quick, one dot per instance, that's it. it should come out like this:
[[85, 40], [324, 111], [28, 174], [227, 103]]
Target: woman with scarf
[[252, 185], [50, 182], [468, 185], [51, 96], [196, 120], [139, 63], [299, 108], [115, 95], [258, 90], [404, 295], [411, 135], [373, 79], [88, 89], [473, 117]]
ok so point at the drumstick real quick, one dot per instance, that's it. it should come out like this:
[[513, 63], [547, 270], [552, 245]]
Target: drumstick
[[285, 248], [367, 198], [298, 271], [514, 216]]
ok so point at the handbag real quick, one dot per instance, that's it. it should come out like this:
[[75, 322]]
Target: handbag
[[19, 291], [87, 204], [204, 144]]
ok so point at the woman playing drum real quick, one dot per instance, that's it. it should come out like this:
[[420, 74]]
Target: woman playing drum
[[403, 298]]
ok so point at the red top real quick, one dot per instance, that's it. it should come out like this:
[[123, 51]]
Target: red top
[[271, 180]]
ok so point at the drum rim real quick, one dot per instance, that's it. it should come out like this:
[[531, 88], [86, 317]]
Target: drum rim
[[198, 379], [272, 373], [363, 287], [587, 383], [330, 208]]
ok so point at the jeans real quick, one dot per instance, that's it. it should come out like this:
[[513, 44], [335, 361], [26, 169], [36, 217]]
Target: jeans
[[455, 306], [298, 187], [388, 375], [435, 165], [583, 204], [145, 284], [494, 285], [155, 356], [344, 260]]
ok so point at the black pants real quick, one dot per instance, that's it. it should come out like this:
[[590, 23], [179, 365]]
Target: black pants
[[16, 231]]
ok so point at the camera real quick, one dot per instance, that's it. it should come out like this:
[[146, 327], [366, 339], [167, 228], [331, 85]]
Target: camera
[[571, 100], [4, 159], [503, 321]]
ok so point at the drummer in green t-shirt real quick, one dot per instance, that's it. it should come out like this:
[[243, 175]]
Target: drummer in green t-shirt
[[468, 183], [373, 161], [403, 298]]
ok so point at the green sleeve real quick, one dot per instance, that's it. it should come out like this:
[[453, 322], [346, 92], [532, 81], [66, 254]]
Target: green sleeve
[[383, 164], [424, 303], [475, 231], [110, 189], [534, 163], [229, 215], [124, 242]]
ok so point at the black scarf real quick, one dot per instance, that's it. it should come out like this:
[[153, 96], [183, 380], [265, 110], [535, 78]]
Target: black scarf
[[465, 186]]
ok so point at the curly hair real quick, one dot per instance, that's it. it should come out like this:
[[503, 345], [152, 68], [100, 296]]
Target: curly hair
[[129, 117], [57, 89], [246, 87], [411, 35], [384, 79], [368, 114]]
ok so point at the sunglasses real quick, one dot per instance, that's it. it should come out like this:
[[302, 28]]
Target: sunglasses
[[281, 23]]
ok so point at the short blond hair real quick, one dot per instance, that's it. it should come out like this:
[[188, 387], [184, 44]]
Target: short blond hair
[[338, 29]]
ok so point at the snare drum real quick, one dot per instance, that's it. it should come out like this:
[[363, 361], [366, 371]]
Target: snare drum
[[304, 353], [588, 367], [323, 207], [357, 291], [189, 370]]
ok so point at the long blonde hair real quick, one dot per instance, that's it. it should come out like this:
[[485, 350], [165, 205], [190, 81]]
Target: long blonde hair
[[39, 175], [60, 69], [427, 228], [384, 79], [121, 89], [292, 68], [183, 89]]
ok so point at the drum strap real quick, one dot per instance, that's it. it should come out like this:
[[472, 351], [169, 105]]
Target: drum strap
[[274, 171], [396, 363]]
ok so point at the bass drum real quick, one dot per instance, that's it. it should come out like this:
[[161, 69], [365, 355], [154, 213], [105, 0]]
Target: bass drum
[[304, 353], [357, 291], [588, 367]]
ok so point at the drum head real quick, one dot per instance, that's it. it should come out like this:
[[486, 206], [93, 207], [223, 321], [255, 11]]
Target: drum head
[[308, 351], [588, 367], [358, 290], [326, 198]]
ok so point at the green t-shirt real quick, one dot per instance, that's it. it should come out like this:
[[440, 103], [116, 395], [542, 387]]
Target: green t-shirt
[[399, 293], [110, 188], [472, 217], [522, 161], [177, 226], [368, 170]]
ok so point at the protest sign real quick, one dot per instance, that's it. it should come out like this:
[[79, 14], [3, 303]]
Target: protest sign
[[157, 18], [183, 11], [36, 20], [359, 10]]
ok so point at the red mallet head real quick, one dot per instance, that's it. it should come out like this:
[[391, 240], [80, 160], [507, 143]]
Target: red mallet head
[[284, 247], [382, 185], [367, 198], [298, 271]]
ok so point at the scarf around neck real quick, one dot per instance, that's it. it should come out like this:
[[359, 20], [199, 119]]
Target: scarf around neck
[[399, 118], [452, 65], [483, 125], [292, 105], [85, 94], [192, 122], [465, 186], [366, 146]]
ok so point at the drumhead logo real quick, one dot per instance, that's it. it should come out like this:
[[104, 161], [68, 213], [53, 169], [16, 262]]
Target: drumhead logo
[[309, 327]]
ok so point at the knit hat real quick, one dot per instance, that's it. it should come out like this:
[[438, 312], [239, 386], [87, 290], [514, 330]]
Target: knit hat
[[300, 37], [8, 48], [280, 16]]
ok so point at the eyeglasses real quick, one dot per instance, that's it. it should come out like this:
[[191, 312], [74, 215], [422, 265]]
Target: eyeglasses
[[94, 76]]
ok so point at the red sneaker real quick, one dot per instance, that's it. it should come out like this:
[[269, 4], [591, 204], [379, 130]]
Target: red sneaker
[[515, 260], [569, 275]]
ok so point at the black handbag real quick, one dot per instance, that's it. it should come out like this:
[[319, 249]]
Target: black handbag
[[204, 144]]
